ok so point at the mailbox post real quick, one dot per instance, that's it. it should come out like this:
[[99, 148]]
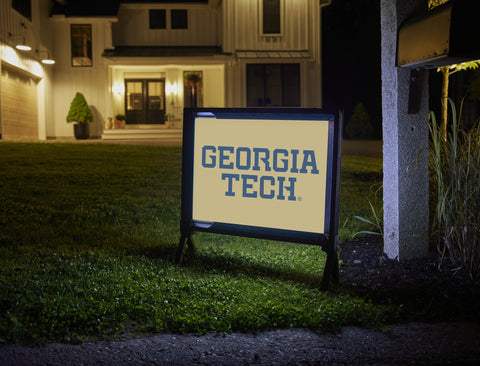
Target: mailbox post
[[441, 37]]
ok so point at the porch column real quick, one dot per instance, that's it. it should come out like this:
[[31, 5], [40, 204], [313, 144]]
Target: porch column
[[405, 137]]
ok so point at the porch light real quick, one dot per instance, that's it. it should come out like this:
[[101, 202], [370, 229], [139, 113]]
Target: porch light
[[118, 89], [172, 88]]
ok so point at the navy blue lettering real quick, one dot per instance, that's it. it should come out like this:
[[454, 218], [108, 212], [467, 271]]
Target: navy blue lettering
[[282, 186], [276, 167], [294, 168], [246, 185], [213, 160], [263, 194], [265, 159], [230, 177], [238, 160], [223, 158], [309, 160]]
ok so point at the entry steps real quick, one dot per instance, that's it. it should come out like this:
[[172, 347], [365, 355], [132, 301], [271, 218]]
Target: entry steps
[[143, 133]]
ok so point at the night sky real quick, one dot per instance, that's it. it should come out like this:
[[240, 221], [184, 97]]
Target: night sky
[[351, 58]]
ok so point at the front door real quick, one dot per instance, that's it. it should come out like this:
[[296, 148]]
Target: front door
[[145, 101]]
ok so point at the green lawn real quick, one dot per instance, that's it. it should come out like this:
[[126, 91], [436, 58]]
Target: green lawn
[[88, 234]]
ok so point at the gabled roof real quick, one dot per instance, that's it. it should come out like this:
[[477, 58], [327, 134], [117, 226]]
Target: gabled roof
[[165, 1]]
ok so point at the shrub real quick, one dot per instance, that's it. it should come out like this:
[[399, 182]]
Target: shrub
[[359, 125], [455, 181], [79, 110]]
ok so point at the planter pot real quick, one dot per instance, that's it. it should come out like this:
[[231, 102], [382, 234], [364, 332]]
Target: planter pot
[[81, 131]]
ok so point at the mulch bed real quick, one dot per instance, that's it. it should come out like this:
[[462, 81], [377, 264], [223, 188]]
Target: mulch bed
[[424, 291]]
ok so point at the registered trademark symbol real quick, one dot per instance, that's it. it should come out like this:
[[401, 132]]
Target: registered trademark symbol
[[299, 199]]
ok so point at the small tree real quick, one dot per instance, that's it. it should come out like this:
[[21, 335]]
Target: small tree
[[79, 110], [446, 72], [359, 125]]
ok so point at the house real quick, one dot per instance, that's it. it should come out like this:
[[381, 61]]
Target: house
[[147, 60]]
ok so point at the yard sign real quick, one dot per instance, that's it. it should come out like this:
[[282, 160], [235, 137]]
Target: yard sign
[[264, 173]]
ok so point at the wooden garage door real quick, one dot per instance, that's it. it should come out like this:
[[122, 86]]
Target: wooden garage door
[[19, 105]]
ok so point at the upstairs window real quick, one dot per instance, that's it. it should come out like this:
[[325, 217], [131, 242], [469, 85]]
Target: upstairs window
[[271, 16], [81, 39], [179, 19], [158, 19], [24, 7]]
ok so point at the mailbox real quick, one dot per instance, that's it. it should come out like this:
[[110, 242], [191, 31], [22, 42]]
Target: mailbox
[[446, 35]]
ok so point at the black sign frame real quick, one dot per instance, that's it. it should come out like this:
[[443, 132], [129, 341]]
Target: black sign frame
[[328, 240]]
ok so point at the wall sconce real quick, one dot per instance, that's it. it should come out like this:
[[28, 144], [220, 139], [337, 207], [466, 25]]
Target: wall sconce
[[118, 89], [46, 60], [172, 89]]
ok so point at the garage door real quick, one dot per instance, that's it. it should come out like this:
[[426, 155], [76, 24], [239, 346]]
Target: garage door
[[19, 118]]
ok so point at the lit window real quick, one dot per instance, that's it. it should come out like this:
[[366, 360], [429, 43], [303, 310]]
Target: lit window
[[81, 45]]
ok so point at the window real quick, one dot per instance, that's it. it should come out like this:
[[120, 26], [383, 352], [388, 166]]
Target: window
[[24, 7], [81, 45], [273, 85], [179, 19], [271, 17], [192, 89], [158, 19]]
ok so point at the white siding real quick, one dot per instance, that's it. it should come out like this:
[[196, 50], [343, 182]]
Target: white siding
[[301, 24], [92, 81], [37, 34], [133, 28], [213, 87], [242, 25]]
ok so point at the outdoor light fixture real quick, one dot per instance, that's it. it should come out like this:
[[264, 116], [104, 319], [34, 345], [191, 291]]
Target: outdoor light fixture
[[23, 46], [118, 89], [46, 60], [172, 88]]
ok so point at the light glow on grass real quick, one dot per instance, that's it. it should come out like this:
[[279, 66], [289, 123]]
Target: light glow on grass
[[88, 237]]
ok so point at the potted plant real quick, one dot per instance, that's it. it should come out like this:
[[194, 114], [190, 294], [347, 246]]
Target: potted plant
[[120, 121], [80, 115]]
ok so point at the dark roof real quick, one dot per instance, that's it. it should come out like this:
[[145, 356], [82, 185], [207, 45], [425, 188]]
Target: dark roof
[[158, 51], [166, 1], [83, 8]]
